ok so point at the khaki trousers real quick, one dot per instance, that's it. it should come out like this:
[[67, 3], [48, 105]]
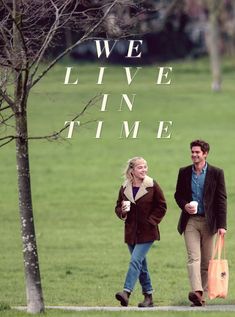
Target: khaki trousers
[[199, 245]]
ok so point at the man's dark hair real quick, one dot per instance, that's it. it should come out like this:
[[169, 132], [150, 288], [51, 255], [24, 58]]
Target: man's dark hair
[[205, 147]]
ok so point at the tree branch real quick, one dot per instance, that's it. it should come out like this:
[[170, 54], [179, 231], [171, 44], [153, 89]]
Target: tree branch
[[18, 28], [9, 138], [84, 38], [4, 108], [56, 135], [4, 120], [47, 40], [3, 32], [7, 98]]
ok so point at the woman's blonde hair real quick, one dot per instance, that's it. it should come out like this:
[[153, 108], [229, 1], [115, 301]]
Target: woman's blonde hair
[[127, 173]]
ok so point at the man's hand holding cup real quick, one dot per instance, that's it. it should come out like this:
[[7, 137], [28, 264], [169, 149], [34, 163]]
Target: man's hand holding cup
[[191, 207]]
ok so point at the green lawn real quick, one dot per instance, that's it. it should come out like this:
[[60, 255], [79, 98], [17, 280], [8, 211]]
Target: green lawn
[[83, 259], [59, 313]]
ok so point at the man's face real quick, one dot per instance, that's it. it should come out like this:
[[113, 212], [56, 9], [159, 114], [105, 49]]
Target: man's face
[[197, 155]]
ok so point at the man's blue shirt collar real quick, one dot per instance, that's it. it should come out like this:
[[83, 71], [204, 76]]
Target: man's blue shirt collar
[[203, 170]]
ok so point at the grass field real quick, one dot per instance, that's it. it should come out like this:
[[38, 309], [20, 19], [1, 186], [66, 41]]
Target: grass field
[[83, 259], [58, 313]]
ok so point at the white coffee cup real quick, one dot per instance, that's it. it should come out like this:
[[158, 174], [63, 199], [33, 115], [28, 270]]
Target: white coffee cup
[[127, 205], [194, 204]]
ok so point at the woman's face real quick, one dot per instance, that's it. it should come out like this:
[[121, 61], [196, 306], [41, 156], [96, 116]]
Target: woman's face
[[140, 169]]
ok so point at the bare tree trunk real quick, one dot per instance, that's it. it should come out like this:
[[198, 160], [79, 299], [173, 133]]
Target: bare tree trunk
[[214, 44], [31, 264]]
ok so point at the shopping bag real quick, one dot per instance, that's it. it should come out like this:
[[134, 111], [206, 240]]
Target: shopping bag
[[218, 272]]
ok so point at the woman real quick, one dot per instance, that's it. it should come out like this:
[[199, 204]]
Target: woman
[[147, 208]]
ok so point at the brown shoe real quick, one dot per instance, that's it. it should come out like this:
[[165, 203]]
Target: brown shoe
[[123, 298], [203, 304], [147, 302], [195, 298]]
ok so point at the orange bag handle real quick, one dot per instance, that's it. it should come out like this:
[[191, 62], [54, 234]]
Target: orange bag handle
[[219, 245]]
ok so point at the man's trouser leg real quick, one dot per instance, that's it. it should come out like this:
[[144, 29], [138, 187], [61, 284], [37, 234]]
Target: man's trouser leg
[[192, 238], [199, 244]]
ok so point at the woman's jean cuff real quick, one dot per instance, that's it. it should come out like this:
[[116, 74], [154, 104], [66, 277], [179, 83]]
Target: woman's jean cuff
[[127, 290]]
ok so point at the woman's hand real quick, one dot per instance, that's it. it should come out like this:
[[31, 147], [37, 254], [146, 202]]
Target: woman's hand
[[124, 209]]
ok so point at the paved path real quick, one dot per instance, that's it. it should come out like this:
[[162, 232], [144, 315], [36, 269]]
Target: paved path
[[225, 308]]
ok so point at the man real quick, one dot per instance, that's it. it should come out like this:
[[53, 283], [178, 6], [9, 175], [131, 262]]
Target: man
[[203, 183]]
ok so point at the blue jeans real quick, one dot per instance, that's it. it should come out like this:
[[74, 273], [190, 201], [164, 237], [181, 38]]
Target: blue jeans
[[138, 268]]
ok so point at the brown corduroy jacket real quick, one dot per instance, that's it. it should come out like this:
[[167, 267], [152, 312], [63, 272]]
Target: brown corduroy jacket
[[214, 198], [146, 212]]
